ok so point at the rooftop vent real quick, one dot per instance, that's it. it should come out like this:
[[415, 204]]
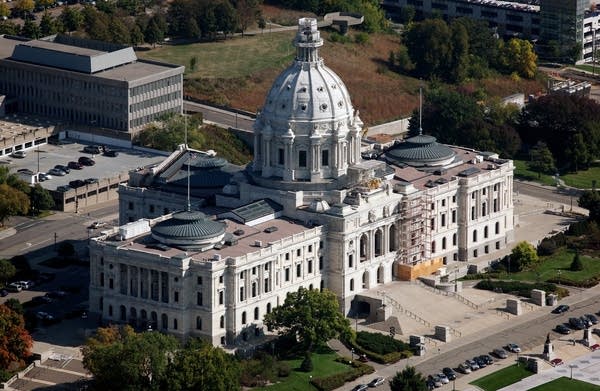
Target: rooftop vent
[[238, 232], [270, 230], [258, 243]]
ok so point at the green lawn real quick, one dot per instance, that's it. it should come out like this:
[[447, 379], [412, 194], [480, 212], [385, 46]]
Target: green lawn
[[243, 56], [589, 68], [583, 179], [502, 378], [523, 172], [561, 260], [323, 364], [565, 384]]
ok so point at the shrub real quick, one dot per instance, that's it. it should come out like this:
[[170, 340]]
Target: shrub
[[337, 37], [361, 38], [379, 343], [283, 369], [520, 288], [576, 265], [546, 247], [337, 380], [307, 365]]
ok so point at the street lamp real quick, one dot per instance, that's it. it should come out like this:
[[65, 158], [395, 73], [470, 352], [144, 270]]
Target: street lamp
[[571, 366], [352, 352]]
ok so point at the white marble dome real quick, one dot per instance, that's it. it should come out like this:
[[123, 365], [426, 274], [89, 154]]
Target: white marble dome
[[307, 131]]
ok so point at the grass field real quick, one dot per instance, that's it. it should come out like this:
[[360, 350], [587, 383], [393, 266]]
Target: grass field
[[523, 172], [323, 364], [583, 179], [565, 384], [237, 57], [561, 260], [502, 378]]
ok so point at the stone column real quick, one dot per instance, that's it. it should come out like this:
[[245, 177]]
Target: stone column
[[258, 162], [315, 143], [266, 155], [288, 140]]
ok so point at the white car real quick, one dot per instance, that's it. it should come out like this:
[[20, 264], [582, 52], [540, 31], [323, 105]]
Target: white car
[[513, 347], [26, 284], [19, 154], [376, 382], [443, 378], [14, 287]]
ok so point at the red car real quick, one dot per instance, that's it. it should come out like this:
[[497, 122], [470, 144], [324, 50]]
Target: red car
[[556, 362], [75, 165], [594, 347]]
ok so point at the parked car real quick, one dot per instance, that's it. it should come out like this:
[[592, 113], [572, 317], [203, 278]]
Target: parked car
[[75, 165], [89, 181], [56, 294], [42, 176], [93, 149], [65, 169], [363, 358], [443, 378], [14, 287], [560, 309], [56, 172], [591, 318], [26, 284], [586, 322], [472, 364], [19, 154], [97, 224], [487, 359], [513, 347], [480, 362], [361, 387], [449, 372], [76, 183], [86, 161], [111, 153], [562, 329], [37, 300], [377, 382], [63, 188], [576, 323], [557, 361], [3, 293], [464, 368], [435, 381], [500, 353]]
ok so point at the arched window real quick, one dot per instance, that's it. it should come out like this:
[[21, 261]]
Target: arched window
[[474, 235], [268, 308], [454, 240], [244, 317], [174, 324], [254, 289], [433, 247], [378, 243], [198, 323], [443, 243], [164, 321], [352, 284], [380, 274], [364, 247], [132, 313], [365, 280], [485, 232], [497, 227], [222, 322], [256, 313], [392, 238]]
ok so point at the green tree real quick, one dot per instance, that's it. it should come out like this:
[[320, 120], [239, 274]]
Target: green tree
[[135, 34], [521, 57], [201, 366], [407, 14], [577, 152], [4, 10], [576, 264], [31, 30], [226, 18], [40, 199], [25, 5], [47, 25], [119, 31], [248, 12], [131, 361], [15, 305], [408, 380], [8, 27], [7, 270], [71, 18], [459, 57], [12, 202], [310, 316], [590, 200], [524, 254], [429, 47], [193, 63], [153, 33], [542, 160], [191, 29], [46, 3], [16, 343]]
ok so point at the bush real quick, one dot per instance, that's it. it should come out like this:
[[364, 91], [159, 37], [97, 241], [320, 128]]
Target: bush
[[576, 265], [307, 365], [361, 38], [400, 351], [578, 284], [337, 37], [546, 247], [283, 369], [337, 380], [520, 288], [379, 343]]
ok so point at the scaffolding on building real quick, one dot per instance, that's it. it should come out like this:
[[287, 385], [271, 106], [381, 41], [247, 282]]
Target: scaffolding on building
[[414, 232]]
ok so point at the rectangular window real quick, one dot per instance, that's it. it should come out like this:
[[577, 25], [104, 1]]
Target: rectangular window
[[298, 270], [454, 199], [443, 222], [280, 157], [221, 297], [310, 248], [350, 260], [309, 267], [241, 293], [454, 216], [199, 298], [298, 252], [220, 279], [130, 206], [443, 202], [320, 263], [325, 158], [287, 256], [110, 283], [475, 253], [176, 297], [301, 158], [287, 274], [199, 280], [487, 249]]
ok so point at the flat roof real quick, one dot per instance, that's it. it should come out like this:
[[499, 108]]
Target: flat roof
[[59, 47]]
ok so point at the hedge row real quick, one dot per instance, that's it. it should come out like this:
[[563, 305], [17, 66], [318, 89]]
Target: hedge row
[[579, 284], [331, 382], [521, 288], [388, 358], [379, 343]]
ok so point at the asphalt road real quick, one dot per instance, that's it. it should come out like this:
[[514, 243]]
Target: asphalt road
[[546, 193], [220, 117], [526, 334]]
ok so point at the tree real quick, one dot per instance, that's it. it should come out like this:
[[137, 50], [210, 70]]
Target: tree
[[47, 25], [524, 254], [15, 343], [45, 3], [542, 161], [9, 27], [310, 316], [7, 270], [191, 29], [193, 63], [4, 10], [248, 11], [119, 31], [12, 202], [135, 34], [429, 47], [262, 24], [15, 305], [40, 199], [25, 5], [576, 264], [119, 356], [407, 14], [408, 380], [153, 33], [31, 29], [590, 200], [201, 366], [71, 18], [521, 57], [459, 56]]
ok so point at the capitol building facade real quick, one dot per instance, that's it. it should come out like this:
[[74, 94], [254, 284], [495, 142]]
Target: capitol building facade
[[308, 212]]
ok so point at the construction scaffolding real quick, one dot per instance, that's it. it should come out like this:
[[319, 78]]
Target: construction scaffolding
[[415, 232]]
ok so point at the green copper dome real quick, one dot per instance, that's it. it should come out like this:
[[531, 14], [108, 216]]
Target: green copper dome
[[189, 229]]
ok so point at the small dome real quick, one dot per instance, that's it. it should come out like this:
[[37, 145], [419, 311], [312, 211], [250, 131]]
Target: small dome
[[319, 206], [421, 150], [189, 230]]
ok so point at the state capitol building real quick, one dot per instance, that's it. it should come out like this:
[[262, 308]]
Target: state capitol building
[[308, 212]]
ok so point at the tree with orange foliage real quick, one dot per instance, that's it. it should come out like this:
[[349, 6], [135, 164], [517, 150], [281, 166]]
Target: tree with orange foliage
[[15, 341]]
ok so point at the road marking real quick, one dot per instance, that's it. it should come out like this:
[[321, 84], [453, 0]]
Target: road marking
[[29, 245], [28, 224]]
